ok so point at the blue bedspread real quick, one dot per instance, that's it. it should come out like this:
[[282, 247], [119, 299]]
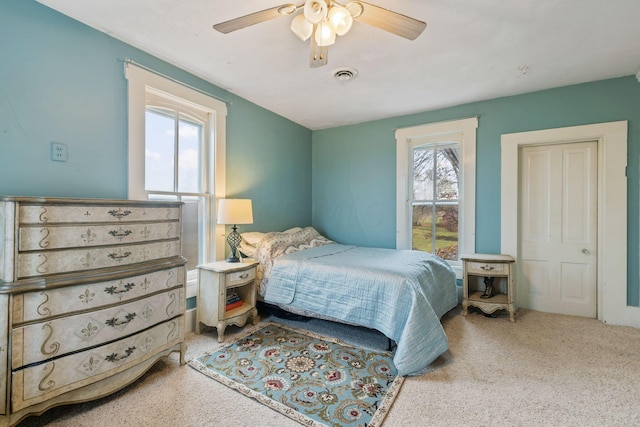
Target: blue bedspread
[[402, 294]]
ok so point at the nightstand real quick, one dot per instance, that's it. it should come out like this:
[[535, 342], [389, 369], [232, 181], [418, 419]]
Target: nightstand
[[217, 281], [488, 283]]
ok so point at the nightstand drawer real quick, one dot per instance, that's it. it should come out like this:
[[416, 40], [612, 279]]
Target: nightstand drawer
[[240, 277], [487, 268]]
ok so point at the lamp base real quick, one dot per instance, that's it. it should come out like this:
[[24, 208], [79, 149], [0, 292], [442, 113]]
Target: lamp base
[[234, 239]]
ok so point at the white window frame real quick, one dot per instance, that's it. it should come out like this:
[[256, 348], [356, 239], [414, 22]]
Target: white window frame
[[467, 206], [141, 81]]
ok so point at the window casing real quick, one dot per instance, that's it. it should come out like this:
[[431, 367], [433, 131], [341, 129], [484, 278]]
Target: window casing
[[176, 152], [436, 196]]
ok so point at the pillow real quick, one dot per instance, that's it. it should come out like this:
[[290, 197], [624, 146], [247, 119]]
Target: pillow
[[297, 237], [292, 230], [246, 249], [252, 237]]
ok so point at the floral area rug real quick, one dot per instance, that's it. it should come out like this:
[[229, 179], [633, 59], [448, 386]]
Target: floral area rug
[[315, 380]]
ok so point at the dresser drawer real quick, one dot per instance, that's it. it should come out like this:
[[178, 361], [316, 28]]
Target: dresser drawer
[[31, 264], [42, 305], [59, 237], [87, 213], [240, 277], [37, 383], [487, 268], [37, 342]]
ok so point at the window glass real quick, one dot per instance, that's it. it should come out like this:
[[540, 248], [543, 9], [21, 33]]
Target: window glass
[[436, 174], [159, 151], [174, 170], [189, 155]]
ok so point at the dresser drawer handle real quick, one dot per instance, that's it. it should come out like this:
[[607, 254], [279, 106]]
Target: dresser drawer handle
[[114, 357], [115, 322], [119, 213], [120, 233], [113, 290], [244, 276], [486, 267], [118, 256]]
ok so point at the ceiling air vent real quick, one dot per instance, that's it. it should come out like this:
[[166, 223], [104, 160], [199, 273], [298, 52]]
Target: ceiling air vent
[[345, 74]]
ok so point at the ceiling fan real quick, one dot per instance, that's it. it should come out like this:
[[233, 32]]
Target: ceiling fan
[[321, 20]]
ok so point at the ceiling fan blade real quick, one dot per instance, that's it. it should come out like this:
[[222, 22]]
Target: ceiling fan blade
[[318, 55], [390, 21], [256, 18]]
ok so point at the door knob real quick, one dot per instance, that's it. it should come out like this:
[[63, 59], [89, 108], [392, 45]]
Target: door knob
[[585, 251]]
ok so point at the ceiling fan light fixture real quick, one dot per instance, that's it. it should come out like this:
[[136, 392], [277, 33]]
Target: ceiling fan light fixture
[[301, 27], [355, 8], [315, 10], [325, 35], [341, 19], [287, 9], [322, 20]]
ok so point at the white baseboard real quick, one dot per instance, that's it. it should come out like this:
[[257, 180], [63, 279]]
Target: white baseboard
[[625, 316]]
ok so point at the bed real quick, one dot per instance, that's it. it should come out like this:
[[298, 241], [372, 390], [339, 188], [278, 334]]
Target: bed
[[401, 293]]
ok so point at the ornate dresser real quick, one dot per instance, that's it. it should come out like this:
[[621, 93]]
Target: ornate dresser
[[92, 294]]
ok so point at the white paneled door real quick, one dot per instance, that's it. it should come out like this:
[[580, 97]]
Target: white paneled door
[[558, 228]]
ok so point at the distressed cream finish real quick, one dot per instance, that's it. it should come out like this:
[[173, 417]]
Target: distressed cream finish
[[55, 302], [501, 269], [92, 294], [215, 279], [71, 333]]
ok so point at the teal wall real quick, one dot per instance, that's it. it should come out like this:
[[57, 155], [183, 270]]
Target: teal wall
[[63, 81], [354, 167]]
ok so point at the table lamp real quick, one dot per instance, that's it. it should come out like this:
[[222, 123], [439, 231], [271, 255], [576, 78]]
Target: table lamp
[[234, 211]]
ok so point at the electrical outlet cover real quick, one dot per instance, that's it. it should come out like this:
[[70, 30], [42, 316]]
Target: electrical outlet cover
[[59, 152]]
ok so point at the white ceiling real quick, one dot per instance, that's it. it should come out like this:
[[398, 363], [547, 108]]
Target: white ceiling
[[471, 50]]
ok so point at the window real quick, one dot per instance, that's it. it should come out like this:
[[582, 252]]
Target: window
[[176, 143], [176, 152], [435, 198], [436, 189]]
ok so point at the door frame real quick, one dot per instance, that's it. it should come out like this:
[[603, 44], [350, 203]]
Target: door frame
[[612, 208]]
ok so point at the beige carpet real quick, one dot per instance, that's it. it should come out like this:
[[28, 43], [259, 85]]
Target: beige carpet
[[544, 370]]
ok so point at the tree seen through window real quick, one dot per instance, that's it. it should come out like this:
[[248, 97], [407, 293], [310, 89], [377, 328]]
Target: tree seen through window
[[436, 177]]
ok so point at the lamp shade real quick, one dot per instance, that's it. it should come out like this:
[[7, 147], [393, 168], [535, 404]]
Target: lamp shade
[[235, 211]]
